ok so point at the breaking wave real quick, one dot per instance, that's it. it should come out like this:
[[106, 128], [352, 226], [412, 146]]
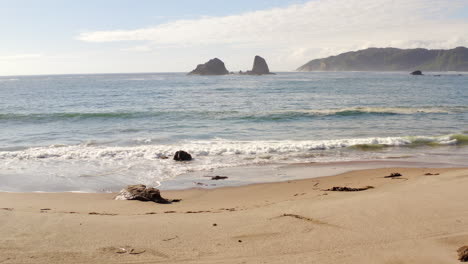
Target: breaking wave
[[90, 167], [220, 147]]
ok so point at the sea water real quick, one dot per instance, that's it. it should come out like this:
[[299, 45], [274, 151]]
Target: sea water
[[100, 132]]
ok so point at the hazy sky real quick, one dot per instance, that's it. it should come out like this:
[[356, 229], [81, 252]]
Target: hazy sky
[[105, 36]]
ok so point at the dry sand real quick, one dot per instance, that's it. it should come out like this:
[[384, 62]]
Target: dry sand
[[417, 219]]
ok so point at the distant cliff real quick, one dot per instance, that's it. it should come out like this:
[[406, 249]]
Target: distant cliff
[[392, 59]]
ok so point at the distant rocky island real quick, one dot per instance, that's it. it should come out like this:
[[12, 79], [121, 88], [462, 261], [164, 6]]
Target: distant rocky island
[[212, 67], [260, 67], [216, 67], [393, 59]]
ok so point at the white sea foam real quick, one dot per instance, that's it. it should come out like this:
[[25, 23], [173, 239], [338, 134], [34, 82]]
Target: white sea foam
[[218, 147], [89, 167]]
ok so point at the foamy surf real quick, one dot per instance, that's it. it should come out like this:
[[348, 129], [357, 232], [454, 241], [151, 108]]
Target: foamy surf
[[88, 167], [217, 147]]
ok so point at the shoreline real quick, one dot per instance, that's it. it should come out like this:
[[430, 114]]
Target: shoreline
[[246, 175], [288, 172], [418, 219]]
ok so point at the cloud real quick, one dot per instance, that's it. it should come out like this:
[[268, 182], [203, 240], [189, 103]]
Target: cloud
[[316, 28], [21, 57], [140, 48]]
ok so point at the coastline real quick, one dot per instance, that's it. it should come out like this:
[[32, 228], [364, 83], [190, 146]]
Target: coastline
[[417, 219]]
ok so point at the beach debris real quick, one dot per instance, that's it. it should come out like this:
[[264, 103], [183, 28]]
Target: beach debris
[[463, 254], [393, 175], [169, 239], [429, 174], [45, 209], [129, 250], [348, 189], [121, 251], [228, 209], [96, 213], [142, 193], [136, 251], [7, 209], [305, 218], [182, 156], [215, 224], [217, 177], [197, 212], [240, 241], [163, 157]]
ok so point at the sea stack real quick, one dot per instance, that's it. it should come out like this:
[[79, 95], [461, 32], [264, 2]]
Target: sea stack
[[260, 66], [212, 67]]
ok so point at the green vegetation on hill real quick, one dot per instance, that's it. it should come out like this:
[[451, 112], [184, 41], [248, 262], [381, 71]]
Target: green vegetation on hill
[[392, 59]]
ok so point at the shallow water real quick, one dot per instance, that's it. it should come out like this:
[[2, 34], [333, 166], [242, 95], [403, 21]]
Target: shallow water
[[100, 132]]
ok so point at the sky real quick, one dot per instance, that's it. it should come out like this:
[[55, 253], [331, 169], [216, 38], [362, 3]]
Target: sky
[[120, 36]]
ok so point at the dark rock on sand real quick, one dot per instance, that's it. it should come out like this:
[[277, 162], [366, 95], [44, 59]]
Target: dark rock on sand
[[212, 67], [463, 254], [417, 73], [182, 156], [142, 193]]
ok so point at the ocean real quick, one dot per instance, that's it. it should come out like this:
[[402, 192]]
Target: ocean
[[98, 133]]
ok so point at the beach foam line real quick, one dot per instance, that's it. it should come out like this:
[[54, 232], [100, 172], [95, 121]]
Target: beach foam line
[[222, 147]]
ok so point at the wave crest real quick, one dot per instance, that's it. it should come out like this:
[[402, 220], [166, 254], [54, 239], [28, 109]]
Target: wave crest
[[227, 115], [221, 147]]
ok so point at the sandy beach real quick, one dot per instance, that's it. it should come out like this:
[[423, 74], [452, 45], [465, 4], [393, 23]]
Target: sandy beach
[[415, 219]]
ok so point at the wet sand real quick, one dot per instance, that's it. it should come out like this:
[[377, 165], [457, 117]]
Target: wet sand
[[415, 218]]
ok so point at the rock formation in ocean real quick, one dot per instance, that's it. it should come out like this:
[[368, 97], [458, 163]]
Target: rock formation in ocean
[[392, 59], [260, 66], [418, 72], [212, 67], [142, 193], [182, 156]]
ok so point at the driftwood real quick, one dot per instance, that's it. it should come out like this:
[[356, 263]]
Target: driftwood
[[393, 175], [142, 193], [348, 189]]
